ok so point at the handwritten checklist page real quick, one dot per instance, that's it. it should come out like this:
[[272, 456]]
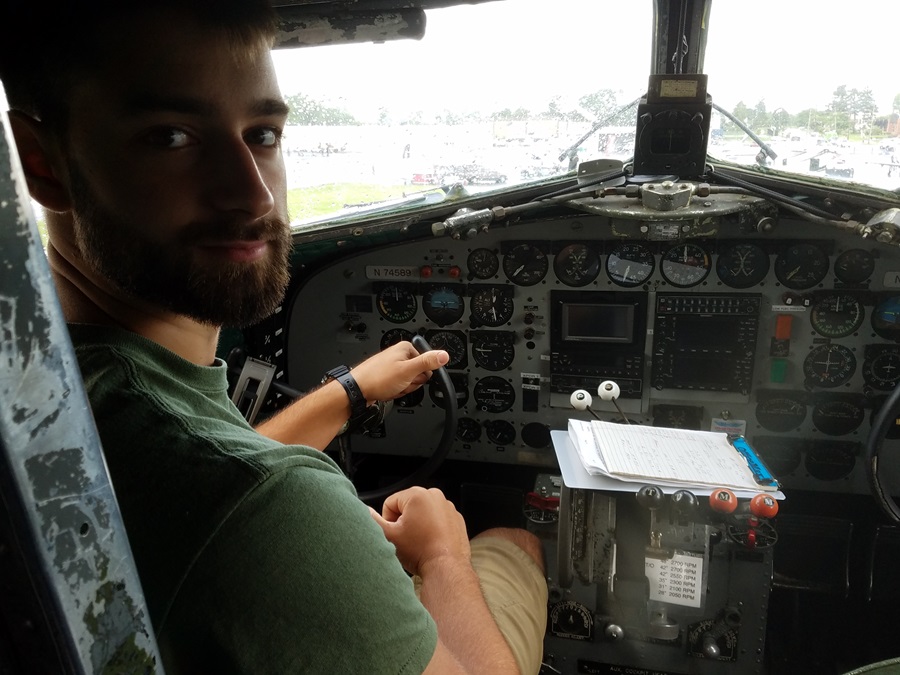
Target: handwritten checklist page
[[673, 456]]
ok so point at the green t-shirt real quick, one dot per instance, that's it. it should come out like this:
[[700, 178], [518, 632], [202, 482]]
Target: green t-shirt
[[254, 557]]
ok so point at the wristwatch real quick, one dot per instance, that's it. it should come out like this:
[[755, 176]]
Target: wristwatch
[[358, 402], [362, 416]]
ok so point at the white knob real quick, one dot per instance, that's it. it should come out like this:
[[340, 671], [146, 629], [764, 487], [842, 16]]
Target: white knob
[[608, 390], [580, 399]]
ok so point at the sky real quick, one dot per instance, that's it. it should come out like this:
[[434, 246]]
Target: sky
[[514, 53]]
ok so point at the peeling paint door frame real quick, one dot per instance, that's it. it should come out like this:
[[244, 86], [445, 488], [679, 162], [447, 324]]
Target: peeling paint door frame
[[71, 598]]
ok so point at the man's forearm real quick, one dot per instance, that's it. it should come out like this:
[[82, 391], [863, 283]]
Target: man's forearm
[[452, 595], [313, 420]]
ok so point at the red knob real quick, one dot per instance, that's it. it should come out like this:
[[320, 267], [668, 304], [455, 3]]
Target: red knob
[[764, 506], [454, 272], [426, 271], [723, 500]]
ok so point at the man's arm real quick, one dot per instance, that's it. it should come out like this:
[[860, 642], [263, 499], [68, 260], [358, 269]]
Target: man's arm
[[315, 419], [431, 541]]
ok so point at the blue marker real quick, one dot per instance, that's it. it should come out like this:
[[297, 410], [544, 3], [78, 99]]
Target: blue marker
[[760, 471]]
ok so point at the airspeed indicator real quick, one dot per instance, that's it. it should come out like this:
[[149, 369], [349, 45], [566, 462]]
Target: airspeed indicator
[[396, 303], [837, 315]]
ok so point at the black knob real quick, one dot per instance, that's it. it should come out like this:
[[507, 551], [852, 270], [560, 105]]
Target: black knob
[[685, 503], [650, 497]]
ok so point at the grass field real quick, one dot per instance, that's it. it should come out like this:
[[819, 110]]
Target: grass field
[[320, 200]]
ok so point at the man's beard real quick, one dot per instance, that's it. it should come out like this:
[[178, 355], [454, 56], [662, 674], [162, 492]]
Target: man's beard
[[213, 292]]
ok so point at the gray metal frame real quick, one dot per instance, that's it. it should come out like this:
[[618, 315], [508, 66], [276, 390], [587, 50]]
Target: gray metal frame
[[71, 598]]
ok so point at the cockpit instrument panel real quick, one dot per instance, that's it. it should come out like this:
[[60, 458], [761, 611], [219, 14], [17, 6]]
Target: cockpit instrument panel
[[785, 334]]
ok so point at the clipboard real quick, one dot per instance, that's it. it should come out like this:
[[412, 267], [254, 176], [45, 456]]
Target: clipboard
[[575, 476]]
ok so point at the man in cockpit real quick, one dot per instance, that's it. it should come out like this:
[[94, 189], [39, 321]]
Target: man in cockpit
[[150, 133]]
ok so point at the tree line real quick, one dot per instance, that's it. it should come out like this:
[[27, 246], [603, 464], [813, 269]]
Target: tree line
[[851, 111]]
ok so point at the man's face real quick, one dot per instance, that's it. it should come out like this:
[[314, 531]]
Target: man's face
[[176, 174]]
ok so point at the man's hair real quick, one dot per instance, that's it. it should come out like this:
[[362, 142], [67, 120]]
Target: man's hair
[[46, 44]]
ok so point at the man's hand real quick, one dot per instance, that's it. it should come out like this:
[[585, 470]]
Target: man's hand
[[425, 528], [396, 371]]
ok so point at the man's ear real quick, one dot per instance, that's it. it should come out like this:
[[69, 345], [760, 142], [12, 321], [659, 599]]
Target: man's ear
[[36, 152]]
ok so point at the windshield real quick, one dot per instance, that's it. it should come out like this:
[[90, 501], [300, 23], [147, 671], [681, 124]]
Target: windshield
[[817, 83], [504, 93]]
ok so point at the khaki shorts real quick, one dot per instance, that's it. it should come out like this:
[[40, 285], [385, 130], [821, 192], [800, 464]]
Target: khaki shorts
[[516, 593]]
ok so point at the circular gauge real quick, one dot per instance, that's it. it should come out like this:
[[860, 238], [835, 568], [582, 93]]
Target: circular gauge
[[493, 350], [468, 430], [443, 304], [493, 394], [630, 264], [536, 435], [837, 315], [742, 265], [882, 370], [684, 265], [830, 461], [500, 432], [459, 384], [451, 341], [525, 264], [837, 417], [829, 365], [801, 266], [886, 318], [396, 303], [570, 619], [576, 265], [410, 400], [854, 266], [483, 264], [491, 306], [781, 455], [395, 335], [781, 413]]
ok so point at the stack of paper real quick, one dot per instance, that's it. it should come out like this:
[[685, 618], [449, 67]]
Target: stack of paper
[[681, 457]]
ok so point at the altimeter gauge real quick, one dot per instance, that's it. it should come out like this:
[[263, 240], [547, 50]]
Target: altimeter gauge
[[491, 305]]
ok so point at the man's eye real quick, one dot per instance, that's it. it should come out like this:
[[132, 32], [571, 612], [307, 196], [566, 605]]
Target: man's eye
[[268, 137], [169, 137]]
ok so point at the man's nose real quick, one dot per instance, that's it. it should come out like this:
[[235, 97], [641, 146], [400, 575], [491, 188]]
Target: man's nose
[[236, 181]]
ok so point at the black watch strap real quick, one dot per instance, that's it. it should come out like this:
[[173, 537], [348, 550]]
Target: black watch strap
[[358, 402]]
